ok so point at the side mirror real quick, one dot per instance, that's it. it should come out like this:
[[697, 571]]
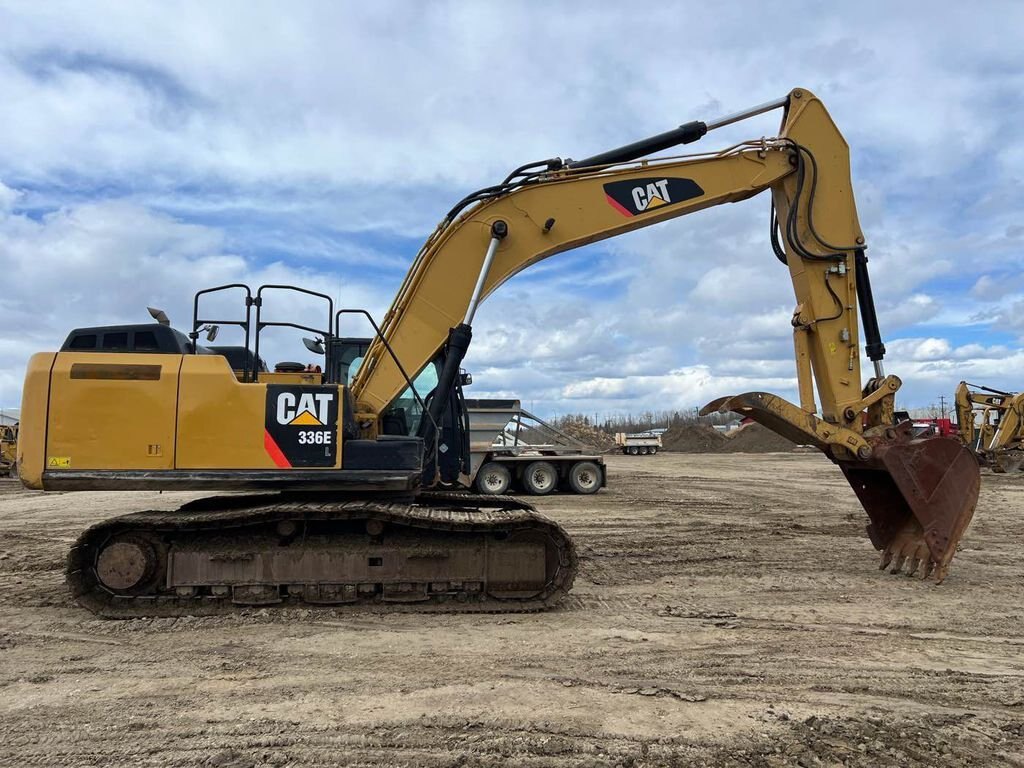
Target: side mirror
[[211, 332], [159, 315], [316, 346], [465, 379]]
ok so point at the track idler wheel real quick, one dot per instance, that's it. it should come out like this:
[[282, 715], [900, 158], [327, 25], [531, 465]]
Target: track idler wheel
[[126, 564], [920, 495]]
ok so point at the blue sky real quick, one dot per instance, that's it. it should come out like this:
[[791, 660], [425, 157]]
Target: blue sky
[[150, 149]]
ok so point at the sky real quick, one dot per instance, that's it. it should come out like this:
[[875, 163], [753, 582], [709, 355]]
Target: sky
[[148, 150]]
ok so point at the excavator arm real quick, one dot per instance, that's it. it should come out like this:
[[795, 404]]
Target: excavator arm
[[1011, 425], [919, 494], [963, 404]]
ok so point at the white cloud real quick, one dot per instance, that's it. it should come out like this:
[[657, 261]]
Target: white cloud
[[105, 262], [915, 309], [8, 197], [679, 389], [365, 94], [920, 349], [987, 287]]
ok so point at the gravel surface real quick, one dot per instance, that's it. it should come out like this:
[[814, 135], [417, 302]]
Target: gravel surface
[[728, 612]]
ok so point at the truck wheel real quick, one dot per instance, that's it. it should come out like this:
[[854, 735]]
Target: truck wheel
[[539, 478], [644, 451], [633, 450], [654, 449], [585, 477], [625, 450], [493, 479]]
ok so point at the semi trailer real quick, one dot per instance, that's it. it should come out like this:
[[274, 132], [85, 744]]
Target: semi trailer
[[511, 449]]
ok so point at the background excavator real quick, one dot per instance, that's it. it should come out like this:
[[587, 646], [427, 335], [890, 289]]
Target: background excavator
[[359, 471], [991, 423], [8, 448]]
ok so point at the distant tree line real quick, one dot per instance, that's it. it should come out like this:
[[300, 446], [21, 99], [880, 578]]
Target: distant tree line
[[640, 422]]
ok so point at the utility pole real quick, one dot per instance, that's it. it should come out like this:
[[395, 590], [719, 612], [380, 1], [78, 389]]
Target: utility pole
[[942, 406]]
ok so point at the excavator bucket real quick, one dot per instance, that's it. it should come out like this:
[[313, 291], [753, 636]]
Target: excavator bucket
[[919, 493], [920, 496], [1003, 461]]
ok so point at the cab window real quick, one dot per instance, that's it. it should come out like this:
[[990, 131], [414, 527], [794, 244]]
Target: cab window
[[425, 383], [353, 369]]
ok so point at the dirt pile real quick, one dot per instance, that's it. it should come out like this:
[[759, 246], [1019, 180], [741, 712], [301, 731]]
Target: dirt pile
[[755, 438], [700, 438], [693, 438], [589, 435]]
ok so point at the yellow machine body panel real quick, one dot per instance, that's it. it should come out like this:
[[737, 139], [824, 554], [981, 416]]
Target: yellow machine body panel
[[222, 422], [112, 411], [130, 413]]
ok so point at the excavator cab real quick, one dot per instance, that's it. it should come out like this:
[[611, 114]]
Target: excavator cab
[[409, 413]]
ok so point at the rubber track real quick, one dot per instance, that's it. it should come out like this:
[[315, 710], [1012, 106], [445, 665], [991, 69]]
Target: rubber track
[[438, 511]]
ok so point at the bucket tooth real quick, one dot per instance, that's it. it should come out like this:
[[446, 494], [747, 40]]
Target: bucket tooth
[[897, 566], [917, 559], [886, 559], [907, 550]]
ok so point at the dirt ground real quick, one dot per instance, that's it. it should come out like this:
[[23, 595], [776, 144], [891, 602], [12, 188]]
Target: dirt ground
[[728, 612]]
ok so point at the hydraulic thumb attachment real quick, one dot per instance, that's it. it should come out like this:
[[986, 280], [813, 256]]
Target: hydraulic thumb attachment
[[919, 493]]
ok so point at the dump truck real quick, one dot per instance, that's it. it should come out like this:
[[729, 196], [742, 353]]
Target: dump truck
[[638, 443]]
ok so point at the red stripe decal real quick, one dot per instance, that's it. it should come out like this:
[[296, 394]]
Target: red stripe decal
[[275, 453], [614, 204]]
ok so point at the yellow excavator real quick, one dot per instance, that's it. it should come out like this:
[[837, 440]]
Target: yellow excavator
[[354, 477], [8, 447], [991, 423]]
